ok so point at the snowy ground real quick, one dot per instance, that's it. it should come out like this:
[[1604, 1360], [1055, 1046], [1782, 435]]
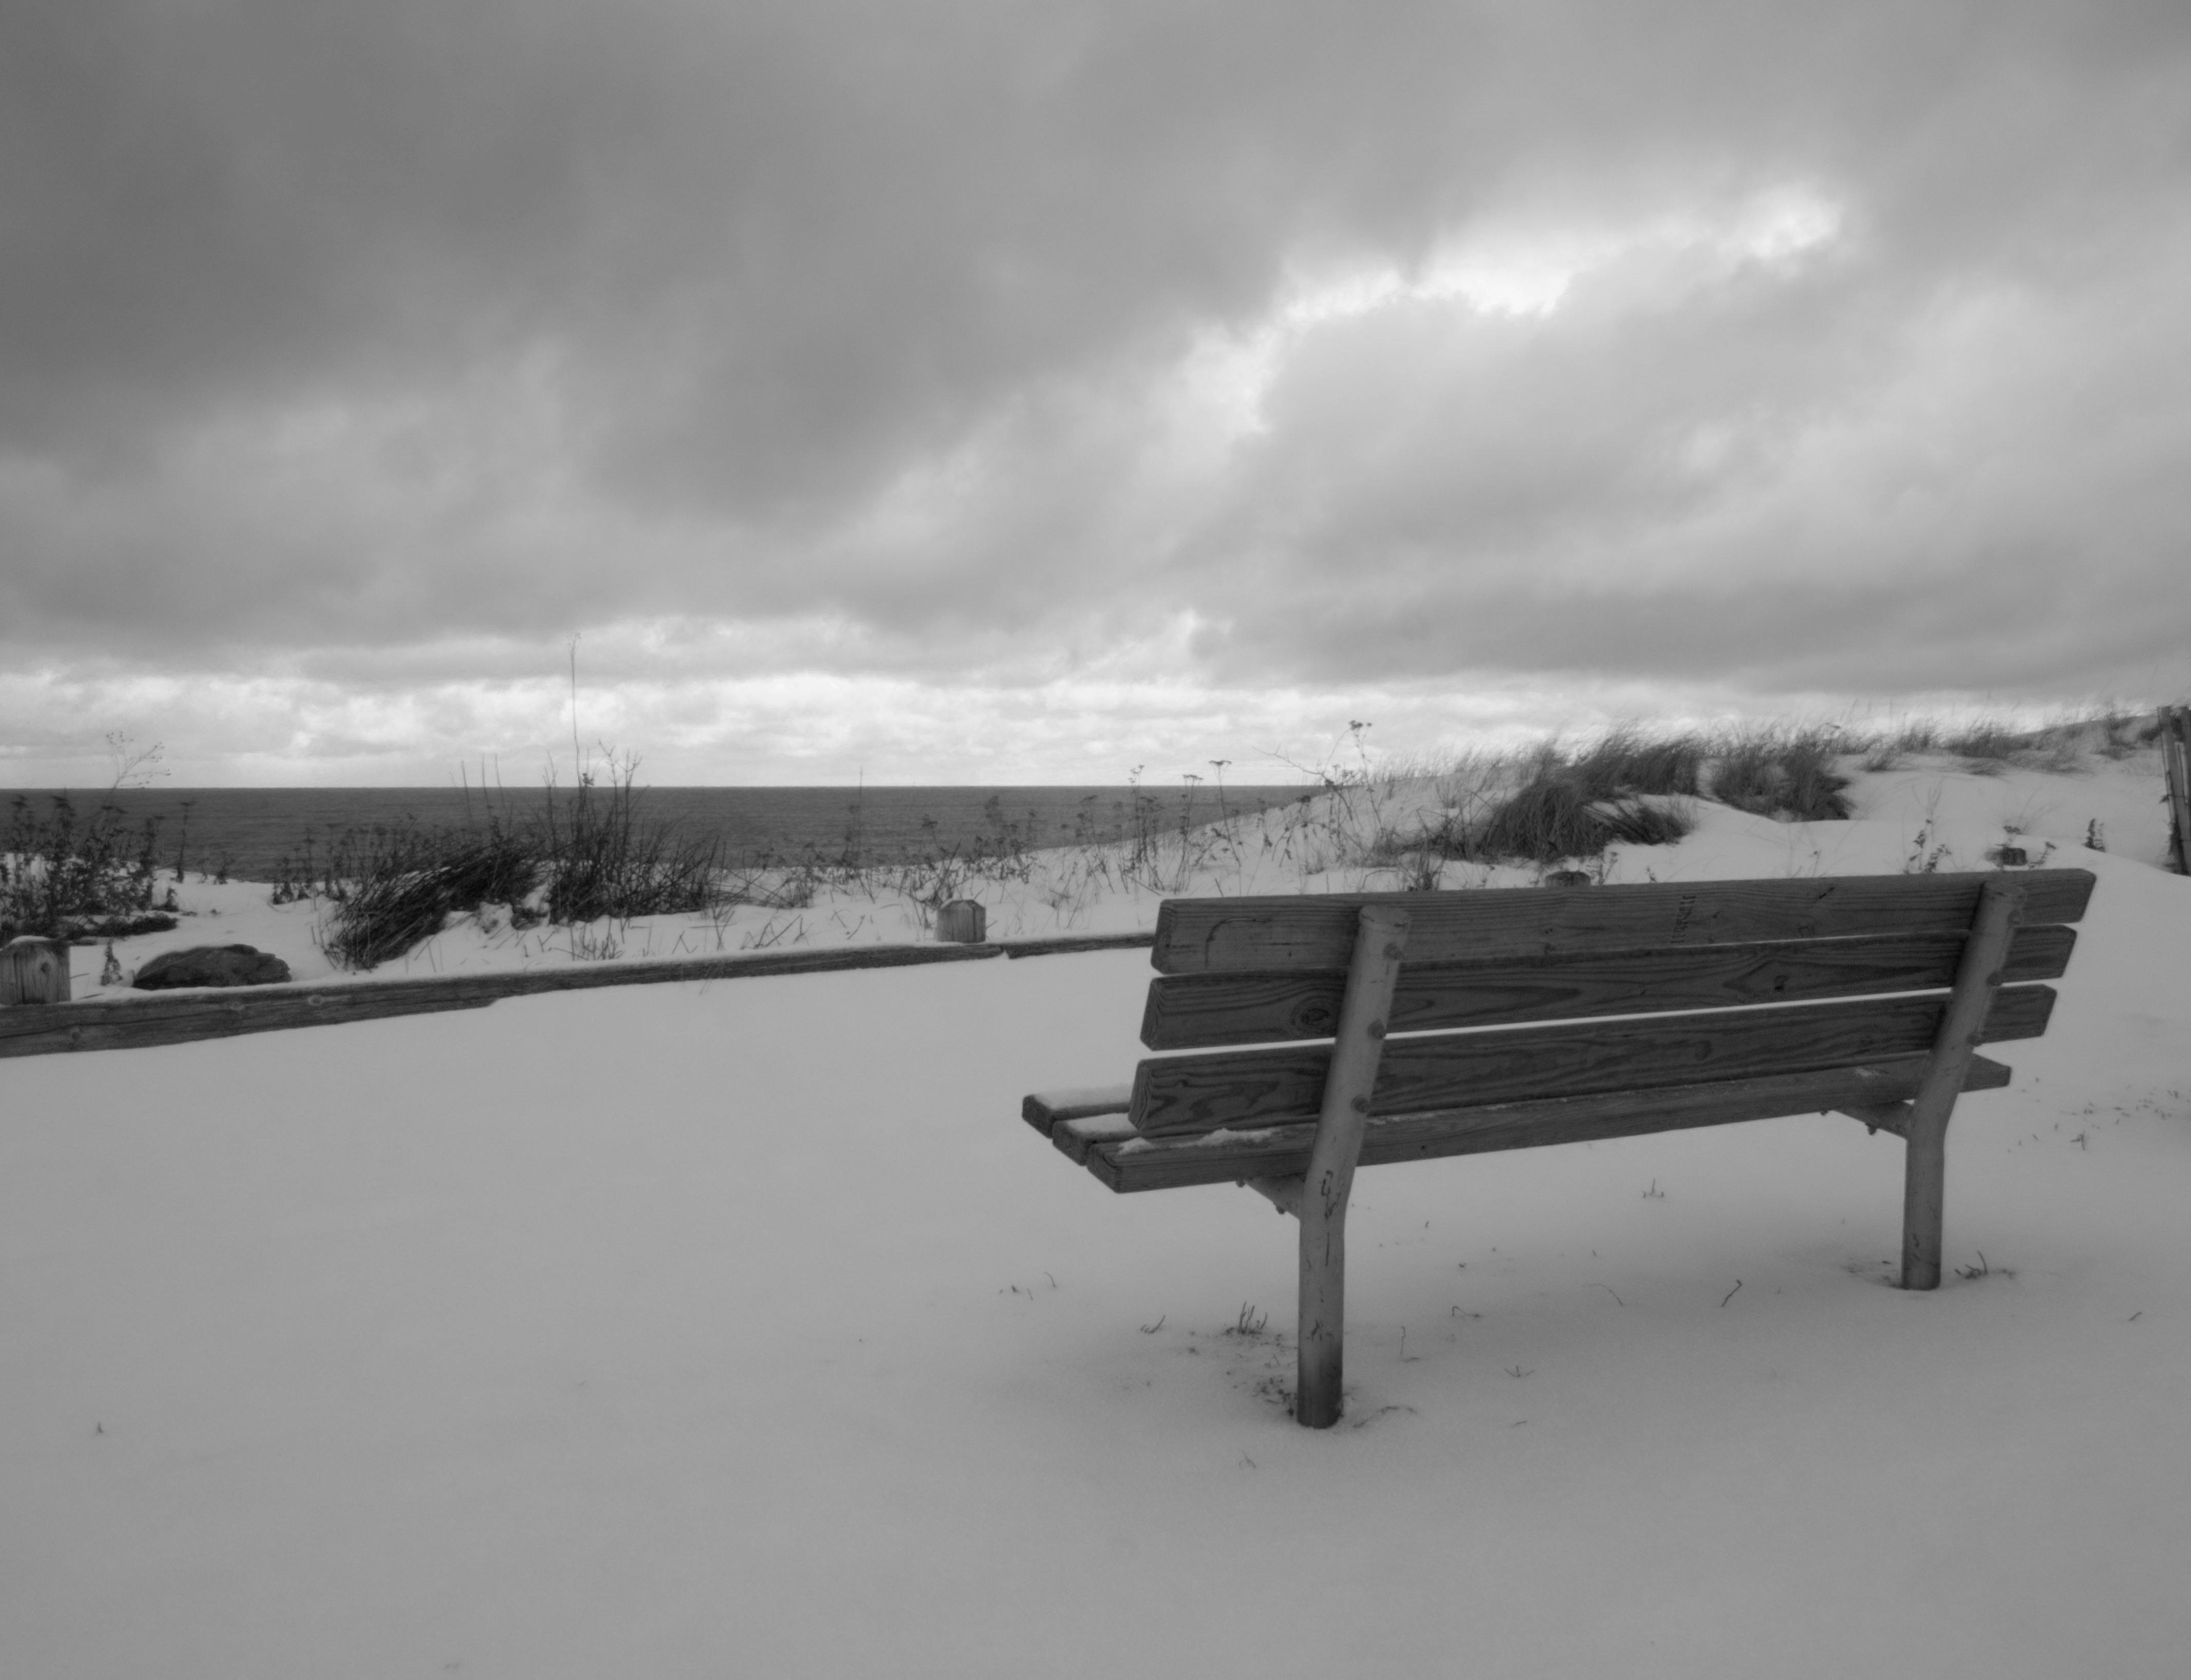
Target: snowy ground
[[744, 1330]]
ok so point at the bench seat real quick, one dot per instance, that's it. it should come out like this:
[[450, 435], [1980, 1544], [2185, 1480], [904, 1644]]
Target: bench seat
[[1123, 1158]]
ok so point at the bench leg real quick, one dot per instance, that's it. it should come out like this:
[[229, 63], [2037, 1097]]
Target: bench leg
[[1977, 977], [1319, 1375], [1381, 936], [1924, 1201]]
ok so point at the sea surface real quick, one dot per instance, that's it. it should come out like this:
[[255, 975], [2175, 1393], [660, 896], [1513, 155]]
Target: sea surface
[[261, 833]]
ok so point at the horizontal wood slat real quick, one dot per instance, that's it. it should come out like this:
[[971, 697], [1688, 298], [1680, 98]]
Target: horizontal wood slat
[[1076, 1138], [152, 1019], [1044, 1109], [1204, 935], [1199, 1092], [1884, 1116], [1283, 1151], [1186, 1011]]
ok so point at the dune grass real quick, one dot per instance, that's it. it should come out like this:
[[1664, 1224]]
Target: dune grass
[[589, 856], [575, 857], [408, 881], [1548, 808], [1783, 772], [1553, 803]]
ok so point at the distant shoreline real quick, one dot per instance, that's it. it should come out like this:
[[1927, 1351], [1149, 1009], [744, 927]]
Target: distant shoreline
[[253, 831]]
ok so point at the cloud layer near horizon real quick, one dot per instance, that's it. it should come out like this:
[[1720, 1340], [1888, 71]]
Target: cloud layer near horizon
[[898, 355]]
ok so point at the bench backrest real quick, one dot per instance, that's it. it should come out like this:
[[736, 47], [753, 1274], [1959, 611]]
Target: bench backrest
[[1592, 990]]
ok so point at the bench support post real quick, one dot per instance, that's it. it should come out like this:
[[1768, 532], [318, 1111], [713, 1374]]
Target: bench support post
[[1379, 941], [1977, 977]]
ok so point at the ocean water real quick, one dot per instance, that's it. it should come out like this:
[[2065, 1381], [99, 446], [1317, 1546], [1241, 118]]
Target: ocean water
[[250, 831]]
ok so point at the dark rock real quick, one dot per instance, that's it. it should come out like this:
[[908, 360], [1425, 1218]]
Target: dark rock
[[236, 965], [1567, 877]]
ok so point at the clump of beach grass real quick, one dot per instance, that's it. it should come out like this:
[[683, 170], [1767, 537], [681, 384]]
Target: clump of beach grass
[[1990, 745], [583, 856], [1788, 772], [409, 880], [601, 858], [1549, 803], [1626, 761]]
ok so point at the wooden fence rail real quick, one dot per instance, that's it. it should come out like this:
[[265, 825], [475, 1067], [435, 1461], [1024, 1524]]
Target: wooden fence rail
[[139, 1021]]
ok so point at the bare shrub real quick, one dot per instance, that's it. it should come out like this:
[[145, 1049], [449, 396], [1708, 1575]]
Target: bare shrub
[[66, 876], [601, 858]]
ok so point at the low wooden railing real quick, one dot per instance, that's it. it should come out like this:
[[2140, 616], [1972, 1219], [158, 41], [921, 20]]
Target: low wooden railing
[[137, 1021]]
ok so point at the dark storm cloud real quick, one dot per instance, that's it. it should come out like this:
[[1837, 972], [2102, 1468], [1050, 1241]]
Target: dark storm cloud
[[330, 325], [1845, 479]]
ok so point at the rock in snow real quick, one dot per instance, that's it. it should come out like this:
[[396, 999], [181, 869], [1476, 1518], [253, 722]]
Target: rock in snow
[[236, 965]]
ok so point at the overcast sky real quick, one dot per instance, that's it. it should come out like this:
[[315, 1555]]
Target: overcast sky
[[1027, 389]]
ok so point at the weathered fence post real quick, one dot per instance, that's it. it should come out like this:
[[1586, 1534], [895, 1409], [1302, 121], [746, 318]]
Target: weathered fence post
[[962, 922], [34, 971], [2175, 765]]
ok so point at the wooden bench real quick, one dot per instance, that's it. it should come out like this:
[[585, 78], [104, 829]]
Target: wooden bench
[[1520, 1017]]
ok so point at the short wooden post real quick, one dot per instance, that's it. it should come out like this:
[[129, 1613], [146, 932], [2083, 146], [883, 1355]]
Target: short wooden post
[[1380, 938], [962, 922], [34, 971], [1977, 977], [2176, 764]]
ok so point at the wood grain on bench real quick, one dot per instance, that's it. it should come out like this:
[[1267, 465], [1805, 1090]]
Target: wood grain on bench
[[1044, 1110], [1201, 1091], [1224, 1158], [1195, 935], [1258, 1007]]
